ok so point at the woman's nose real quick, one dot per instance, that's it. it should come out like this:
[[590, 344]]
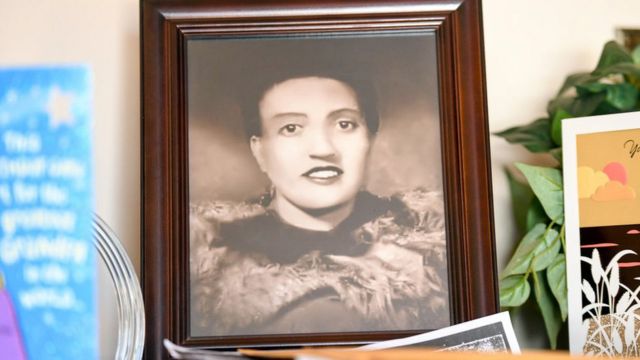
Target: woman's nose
[[321, 144]]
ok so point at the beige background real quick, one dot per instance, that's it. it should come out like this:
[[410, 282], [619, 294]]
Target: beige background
[[596, 151], [530, 45]]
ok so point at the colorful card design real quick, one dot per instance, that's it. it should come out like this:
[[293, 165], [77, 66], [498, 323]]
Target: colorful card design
[[47, 259], [602, 203]]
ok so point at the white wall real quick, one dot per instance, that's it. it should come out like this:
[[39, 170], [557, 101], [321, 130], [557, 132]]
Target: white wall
[[530, 46]]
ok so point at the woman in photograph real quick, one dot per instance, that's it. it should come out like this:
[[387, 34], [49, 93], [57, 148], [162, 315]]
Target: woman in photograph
[[317, 253]]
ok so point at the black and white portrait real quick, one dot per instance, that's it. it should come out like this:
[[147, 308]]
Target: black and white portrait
[[315, 185]]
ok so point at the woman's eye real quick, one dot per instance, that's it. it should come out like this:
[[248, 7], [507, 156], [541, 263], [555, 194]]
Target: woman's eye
[[290, 129], [347, 124]]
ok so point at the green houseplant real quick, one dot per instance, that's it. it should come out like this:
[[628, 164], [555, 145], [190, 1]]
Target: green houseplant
[[538, 264]]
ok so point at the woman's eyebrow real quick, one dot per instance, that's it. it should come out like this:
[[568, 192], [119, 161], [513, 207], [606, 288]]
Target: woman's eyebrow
[[288, 115], [345, 111]]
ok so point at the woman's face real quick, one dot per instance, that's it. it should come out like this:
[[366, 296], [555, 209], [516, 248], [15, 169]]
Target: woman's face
[[314, 144]]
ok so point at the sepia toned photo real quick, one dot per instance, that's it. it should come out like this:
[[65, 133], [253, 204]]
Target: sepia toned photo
[[313, 173], [316, 198]]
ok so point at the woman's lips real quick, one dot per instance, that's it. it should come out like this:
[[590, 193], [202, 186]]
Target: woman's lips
[[323, 173]]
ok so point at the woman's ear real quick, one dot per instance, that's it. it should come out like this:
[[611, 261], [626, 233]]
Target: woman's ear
[[256, 149]]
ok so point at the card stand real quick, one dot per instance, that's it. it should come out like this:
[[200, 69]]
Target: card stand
[[128, 294]]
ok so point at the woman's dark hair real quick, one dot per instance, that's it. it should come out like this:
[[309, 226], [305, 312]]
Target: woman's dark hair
[[365, 95]]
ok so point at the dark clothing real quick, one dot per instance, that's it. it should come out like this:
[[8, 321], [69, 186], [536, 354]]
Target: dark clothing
[[284, 244]]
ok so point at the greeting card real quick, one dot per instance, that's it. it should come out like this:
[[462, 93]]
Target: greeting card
[[47, 259]]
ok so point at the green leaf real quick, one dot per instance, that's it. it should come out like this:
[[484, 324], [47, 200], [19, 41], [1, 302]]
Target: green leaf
[[535, 242], [521, 259], [590, 88], [521, 196], [635, 55], [548, 308], [557, 278], [514, 291], [546, 184], [623, 69], [563, 102], [612, 54], [536, 214], [556, 125], [557, 154], [584, 104], [573, 80], [622, 96], [535, 136], [547, 251], [587, 104]]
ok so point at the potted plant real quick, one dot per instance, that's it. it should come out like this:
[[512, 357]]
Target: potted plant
[[538, 264]]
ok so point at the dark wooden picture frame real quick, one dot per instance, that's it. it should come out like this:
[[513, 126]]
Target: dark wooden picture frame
[[168, 25]]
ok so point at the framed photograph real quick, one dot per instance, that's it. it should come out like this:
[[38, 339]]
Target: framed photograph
[[602, 209], [313, 173]]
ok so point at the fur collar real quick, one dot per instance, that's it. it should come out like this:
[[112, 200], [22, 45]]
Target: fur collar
[[395, 280]]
